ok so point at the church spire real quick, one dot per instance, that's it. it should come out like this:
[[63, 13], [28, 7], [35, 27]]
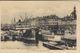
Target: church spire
[[73, 14]]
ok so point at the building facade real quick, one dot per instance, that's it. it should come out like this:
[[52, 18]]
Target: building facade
[[53, 23]]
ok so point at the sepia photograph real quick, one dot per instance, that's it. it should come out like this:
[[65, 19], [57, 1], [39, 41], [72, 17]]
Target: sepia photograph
[[39, 25]]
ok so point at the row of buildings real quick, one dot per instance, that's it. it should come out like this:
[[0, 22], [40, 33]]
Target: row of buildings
[[51, 22]]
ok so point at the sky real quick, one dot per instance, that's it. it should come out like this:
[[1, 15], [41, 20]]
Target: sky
[[11, 10]]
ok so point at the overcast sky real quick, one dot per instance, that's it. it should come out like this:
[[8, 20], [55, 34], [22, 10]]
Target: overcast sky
[[9, 10]]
